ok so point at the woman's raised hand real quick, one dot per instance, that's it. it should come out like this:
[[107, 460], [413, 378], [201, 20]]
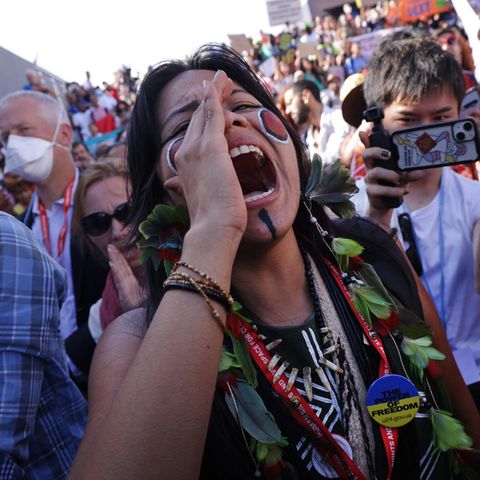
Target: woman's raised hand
[[206, 175], [130, 293]]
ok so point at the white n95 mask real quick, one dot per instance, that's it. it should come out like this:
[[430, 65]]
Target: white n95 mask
[[30, 157]]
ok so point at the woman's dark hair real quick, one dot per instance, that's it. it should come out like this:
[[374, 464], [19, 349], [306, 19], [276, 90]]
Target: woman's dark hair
[[300, 85], [121, 103], [144, 142]]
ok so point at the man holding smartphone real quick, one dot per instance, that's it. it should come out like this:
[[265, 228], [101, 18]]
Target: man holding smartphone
[[417, 84]]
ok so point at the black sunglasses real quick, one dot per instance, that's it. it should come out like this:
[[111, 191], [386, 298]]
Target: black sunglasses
[[449, 40], [99, 223], [406, 227]]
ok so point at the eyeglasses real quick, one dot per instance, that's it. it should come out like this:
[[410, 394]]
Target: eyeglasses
[[99, 223], [449, 40], [406, 227]]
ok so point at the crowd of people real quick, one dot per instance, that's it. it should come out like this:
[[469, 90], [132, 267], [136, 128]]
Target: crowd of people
[[183, 251]]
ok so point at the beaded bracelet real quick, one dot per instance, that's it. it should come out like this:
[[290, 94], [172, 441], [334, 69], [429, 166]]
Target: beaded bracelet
[[172, 284], [208, 281], [198, 288]]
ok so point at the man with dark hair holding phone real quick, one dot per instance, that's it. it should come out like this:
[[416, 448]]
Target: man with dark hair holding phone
[[438, 222]]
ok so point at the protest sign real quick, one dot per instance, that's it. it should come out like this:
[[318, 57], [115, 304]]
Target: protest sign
[[240, 43], [283, 11], [369, 41], [285, 42], [415, 9], [307, 48], [268, 67]]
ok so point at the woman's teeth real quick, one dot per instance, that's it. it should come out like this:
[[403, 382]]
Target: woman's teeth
[[251, 197], [242, 149], [257, 183]]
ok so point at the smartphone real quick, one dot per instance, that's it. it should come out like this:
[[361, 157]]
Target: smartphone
[[470, 102], [436, 145]]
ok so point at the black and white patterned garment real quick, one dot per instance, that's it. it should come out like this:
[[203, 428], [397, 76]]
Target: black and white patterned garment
[[302, 346], [343, 409]]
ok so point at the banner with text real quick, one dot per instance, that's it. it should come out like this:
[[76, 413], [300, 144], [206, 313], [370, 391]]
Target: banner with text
[[283, 11], [368, 41], [415, 9]]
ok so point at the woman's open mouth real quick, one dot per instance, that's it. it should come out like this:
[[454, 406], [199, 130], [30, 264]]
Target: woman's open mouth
[[255, 172]]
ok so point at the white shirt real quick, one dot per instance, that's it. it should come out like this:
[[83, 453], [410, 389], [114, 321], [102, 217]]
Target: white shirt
[[83, 120], [333, 131], [105, 100], [461, 211], [56, 218], [311, 37]]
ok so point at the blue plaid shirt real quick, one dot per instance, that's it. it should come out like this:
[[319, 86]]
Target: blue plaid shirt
[[42, 413]]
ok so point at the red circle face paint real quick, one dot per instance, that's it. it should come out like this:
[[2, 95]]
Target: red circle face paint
[[171, 152], [272, 126]]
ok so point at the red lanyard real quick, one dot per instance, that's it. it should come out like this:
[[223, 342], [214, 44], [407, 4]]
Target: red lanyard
[[333, 453], [389, 435], [326, 444], [67, 202]]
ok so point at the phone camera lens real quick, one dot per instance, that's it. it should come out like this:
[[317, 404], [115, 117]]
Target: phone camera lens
[[460, 136], [467, 126]]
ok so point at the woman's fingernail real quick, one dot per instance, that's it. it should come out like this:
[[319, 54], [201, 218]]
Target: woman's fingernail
[[205, 87], [385, 154]]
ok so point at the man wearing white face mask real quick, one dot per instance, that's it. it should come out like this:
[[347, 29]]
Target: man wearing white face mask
[[37, 136], [31, 157]]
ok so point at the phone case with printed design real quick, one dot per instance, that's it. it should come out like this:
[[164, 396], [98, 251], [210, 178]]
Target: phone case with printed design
[[437, 145]]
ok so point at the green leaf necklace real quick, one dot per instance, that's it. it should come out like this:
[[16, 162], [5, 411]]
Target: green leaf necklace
[[376, 310]]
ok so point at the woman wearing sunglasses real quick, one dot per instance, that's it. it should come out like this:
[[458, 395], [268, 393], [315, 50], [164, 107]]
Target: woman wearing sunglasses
[[452, 41], [101, 211]]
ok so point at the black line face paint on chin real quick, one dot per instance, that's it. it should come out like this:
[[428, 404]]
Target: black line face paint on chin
[[265, 218]]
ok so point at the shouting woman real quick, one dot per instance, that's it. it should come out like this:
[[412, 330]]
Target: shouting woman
[[271, 346]]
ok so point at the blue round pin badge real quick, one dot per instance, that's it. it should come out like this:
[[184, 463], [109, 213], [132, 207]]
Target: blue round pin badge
[[392, 400]]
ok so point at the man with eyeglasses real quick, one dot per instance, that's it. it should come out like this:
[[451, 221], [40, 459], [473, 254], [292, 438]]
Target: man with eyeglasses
[[439, 220], [37, 136]]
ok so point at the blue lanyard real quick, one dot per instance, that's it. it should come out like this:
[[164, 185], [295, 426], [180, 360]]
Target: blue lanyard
[[441, 240]]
